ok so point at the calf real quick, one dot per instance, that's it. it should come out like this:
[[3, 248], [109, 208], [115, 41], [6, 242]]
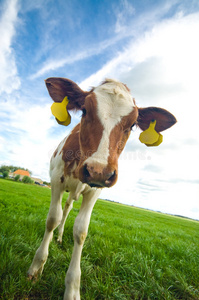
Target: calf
[[87, 160]]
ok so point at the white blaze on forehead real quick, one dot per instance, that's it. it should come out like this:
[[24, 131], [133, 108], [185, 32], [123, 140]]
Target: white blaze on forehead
[[114, 102]]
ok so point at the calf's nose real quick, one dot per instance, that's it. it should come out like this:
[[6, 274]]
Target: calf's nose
[[99, 176]]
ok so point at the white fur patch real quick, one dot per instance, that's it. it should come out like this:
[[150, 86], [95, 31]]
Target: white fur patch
[[114, 102]]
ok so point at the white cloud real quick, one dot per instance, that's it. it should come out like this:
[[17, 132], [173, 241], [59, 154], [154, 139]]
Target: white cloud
[[30, 142], [2, 142], [173, 43], [126, 26], [123, 11], [9, 79], [56, 63]]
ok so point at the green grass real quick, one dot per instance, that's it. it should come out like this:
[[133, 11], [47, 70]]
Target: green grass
[[129, 253]]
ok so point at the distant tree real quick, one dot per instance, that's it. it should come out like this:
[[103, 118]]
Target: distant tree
[[4, 168], [17, 177], [27, 179], [12, 169], [5, 174]]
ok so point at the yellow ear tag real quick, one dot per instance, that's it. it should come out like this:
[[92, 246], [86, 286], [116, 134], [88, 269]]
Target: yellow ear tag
[[150, 137], [59, 111], [159, 141]]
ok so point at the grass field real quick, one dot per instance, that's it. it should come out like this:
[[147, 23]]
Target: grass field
[[129, 253]]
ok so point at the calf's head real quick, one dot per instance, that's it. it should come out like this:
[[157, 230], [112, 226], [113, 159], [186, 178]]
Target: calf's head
[[108, 114]]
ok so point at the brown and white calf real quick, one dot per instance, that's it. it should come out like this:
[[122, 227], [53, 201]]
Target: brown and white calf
[[87, 160]]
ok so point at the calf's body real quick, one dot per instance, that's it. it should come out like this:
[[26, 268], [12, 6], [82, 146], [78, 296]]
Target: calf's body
[[87, 161]]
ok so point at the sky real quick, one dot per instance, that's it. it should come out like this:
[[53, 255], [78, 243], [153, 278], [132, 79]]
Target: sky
[[152, 46]]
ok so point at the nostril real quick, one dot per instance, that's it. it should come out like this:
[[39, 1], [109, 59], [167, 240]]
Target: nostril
[[113, 174], [86, 172], [111, 177]]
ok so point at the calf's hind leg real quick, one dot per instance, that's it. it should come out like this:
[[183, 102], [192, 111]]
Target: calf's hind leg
[[67, 208], [53, 219]]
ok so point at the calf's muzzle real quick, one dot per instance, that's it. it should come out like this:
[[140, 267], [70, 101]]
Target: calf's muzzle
[[97, 175]]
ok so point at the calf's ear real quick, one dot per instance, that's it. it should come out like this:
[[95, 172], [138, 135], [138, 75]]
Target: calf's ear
[[164, 119], [59, 88]]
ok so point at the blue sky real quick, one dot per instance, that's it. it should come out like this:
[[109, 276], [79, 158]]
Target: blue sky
[[152, 46]]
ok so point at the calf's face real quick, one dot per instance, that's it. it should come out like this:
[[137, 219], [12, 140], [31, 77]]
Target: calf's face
[[108, 115]]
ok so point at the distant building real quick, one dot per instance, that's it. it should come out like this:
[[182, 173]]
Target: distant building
[[22, 173], [37, 180]]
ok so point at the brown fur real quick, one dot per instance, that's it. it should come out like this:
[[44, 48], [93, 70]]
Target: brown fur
[[71, 150]]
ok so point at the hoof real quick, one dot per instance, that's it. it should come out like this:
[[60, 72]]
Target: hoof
[[33, 275], [59, 240], [32, 278]]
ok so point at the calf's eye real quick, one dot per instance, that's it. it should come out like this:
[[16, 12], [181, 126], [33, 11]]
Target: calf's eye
[[133, 126], [83, 111]]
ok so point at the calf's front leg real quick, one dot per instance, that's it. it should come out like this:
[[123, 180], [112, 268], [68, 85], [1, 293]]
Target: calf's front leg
[[80, 229], [53, 219]]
